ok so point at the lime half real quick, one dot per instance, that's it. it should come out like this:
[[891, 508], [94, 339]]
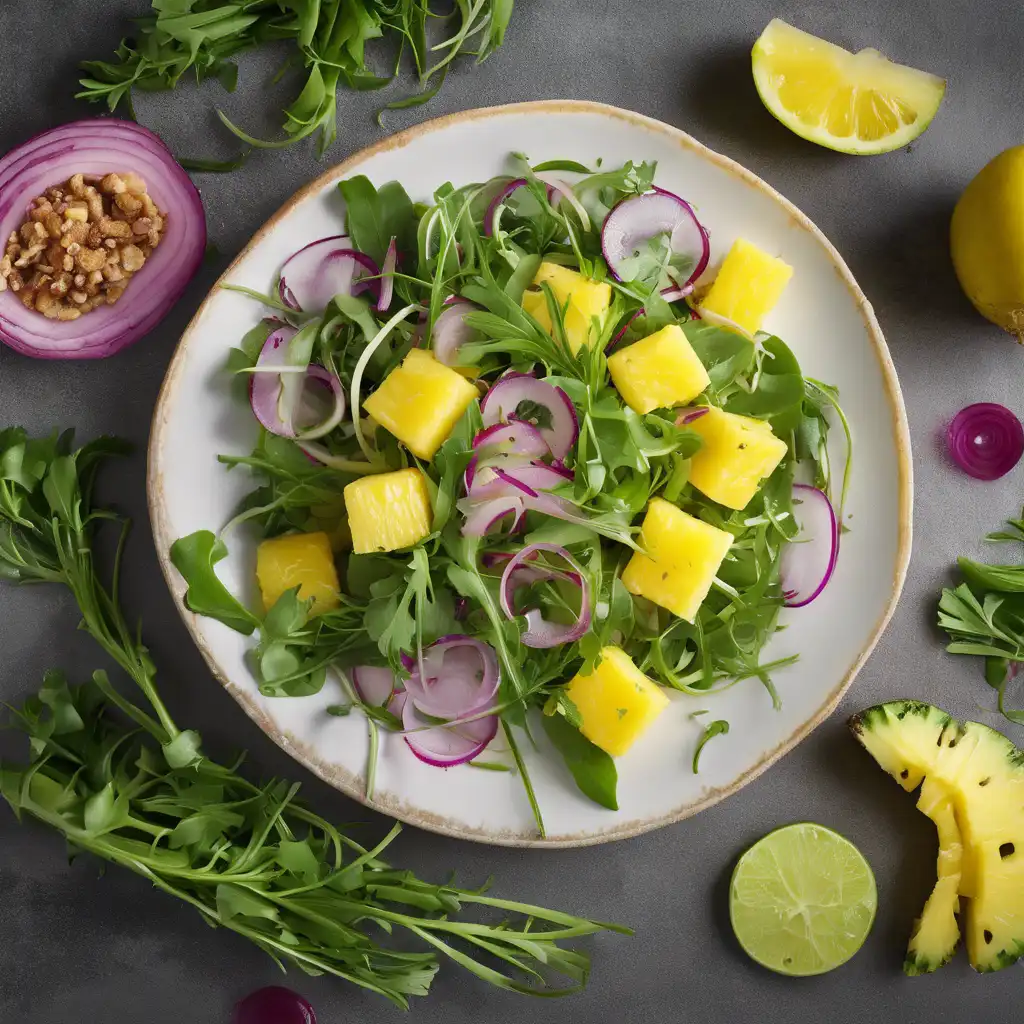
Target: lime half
[[802, 900], [853, 102]]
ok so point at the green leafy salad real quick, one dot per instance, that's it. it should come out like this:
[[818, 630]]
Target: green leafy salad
[[517, 454]]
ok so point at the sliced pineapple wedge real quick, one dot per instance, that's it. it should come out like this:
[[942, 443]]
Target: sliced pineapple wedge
[[858, 103]]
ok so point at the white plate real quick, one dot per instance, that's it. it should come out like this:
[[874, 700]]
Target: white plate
[[823, 316]]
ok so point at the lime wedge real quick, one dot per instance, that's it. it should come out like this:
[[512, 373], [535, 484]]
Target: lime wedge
[[802, 900], [854, 102]]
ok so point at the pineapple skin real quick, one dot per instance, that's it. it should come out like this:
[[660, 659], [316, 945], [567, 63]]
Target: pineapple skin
[[303, 560], [420, 402], [388, 511], [683, 555], [748, 286], [616, 702], [659, 371], [586, 299]]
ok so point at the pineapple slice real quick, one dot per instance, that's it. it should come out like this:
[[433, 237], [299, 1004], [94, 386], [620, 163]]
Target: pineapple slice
[[659, 371], [748, 286], [737, 453], [616, 702], [682, 557], [420, 402], [303, 560], [995, 916], [586, 300], [389, 511]]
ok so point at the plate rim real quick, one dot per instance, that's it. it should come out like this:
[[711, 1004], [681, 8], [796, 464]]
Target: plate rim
[[350, 783]]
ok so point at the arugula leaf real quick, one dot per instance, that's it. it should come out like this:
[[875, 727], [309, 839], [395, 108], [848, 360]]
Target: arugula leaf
[[194, 557], [593, 770], [375, 216], [719, 727]]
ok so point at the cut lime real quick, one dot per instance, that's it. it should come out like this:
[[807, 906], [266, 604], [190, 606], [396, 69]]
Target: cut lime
[[854, 102], [802, 900]]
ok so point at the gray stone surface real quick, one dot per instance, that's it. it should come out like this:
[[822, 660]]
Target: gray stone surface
[[78, 948]]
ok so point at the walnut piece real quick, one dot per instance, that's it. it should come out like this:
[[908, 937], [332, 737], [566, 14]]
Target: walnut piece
[[81, 243]]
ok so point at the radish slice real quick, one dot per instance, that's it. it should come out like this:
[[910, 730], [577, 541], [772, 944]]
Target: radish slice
[[457, 677], [451, 332], [311, 277], [638, 219], [808, 562], [321, 404], [387, 276], [540, 633], [518, 396], [484, 516], [374, 685], [445, 746]]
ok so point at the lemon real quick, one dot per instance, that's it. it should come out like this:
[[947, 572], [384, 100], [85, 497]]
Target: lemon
[[802, 900], [987, 241], [858, 103]]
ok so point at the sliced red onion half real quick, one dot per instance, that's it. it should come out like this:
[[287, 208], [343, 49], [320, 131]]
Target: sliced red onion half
[[311, 277], [96, 148], [639, 218], [451, 331], [274, 1005], [445, 746], [320, 402], [456, 677], [375, 685], [809, 560], [519, 396], [986, 440], [525, 569], [387, 276]]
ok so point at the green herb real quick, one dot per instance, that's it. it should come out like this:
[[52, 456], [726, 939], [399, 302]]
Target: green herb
[[118, 779], [592, 769], [719, 727], [332, 40]]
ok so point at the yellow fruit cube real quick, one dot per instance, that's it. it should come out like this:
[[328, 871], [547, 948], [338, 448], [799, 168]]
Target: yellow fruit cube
[[617, 702], [388, 511], [736, 454], [302, 560], [682, 558], [420, 402], [748, 286], [587, 299], [658, 371]]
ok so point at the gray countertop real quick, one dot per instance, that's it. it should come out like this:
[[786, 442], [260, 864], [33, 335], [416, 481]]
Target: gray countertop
[[77, 947]]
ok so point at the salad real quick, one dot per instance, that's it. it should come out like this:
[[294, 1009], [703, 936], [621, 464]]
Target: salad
[[524, 463]]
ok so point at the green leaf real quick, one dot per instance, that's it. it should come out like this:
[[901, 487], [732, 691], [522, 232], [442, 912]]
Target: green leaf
[[593, 769], [719, 727], [234, 901], [725, 354], [184, 750], [60, 486], [1005, 579], [297, 857], [194, 557], [375, 216]]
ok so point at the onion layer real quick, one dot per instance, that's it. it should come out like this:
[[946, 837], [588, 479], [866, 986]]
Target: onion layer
[[986, 440], [456, 677], [274, 1005], [518, 396], [311, 277], [375, 685], [523, 570], [809, 560], [451, 331], [98, 147]]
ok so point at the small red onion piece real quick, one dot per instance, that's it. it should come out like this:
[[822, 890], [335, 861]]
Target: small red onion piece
[[517, 478], [498, 200], [516, 436], [558, 190], [809, 560], [451, 332], [374, 685], [457, 677], [541, 633], [986, 440], [95, 148], [510, 398], [311, 277], [716, 320], [445, 746], [689, 414], [274, 1005], [265, 393], [639, 218], [482, 517], [387, 276]]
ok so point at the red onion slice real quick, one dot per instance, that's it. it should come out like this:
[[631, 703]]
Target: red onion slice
[[445, 746], [516, 436], [689, 414], [512, 478], [311, 277], [374, 685], [451, 331], [497, 201], [457, 677], [274, 1005], [986, 440], [518, 396], [541, 633], [265, 393], [809, 560], [639, 218], [98, 147], [387, 278], [482, 517]]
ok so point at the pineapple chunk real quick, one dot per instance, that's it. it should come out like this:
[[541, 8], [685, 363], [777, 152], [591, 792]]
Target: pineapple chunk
[[748, 285], [617, 702], [737, 453], [302, 560], [659, 371], [389, 511], [420, 402], [586, 299], [683, 556]]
